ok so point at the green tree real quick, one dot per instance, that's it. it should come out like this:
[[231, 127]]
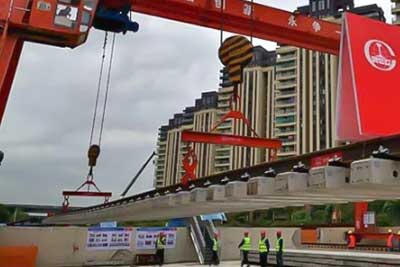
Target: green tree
[[301, 217], [320, 217], [4, 214], [384, 219], [392, 209]]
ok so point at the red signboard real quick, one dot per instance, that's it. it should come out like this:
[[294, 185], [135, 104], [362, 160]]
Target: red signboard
[[324, 159], [369, 77]]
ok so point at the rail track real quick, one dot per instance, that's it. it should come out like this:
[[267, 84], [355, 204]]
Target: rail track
[[341, 246]]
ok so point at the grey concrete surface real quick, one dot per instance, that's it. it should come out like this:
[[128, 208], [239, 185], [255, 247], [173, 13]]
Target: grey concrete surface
[[222, 264]]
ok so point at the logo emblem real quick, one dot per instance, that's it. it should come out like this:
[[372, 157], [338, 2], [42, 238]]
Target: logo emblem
[[380, 55]]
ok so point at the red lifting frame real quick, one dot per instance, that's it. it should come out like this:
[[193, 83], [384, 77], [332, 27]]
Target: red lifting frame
[[232, 140], [88, 183]]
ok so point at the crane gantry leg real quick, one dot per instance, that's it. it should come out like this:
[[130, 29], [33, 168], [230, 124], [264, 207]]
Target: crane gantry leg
[[10, 52]]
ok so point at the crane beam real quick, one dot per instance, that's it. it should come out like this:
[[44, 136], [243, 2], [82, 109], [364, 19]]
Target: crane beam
[[251, 19], [232, 140]]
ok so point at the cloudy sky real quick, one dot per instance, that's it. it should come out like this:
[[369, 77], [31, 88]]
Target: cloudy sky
[[157, 72]]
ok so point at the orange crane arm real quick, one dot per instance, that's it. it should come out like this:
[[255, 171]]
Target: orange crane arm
[[34, 20], [249, 19]]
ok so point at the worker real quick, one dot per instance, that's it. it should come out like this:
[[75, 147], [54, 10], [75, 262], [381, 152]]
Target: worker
[[263, 248], [245, 246], [160, 247], [389, 241], [215, 250], [351, 240], [279, 249], [398, 240]]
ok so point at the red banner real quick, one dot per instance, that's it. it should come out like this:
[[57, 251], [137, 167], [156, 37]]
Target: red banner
[[324, 159], [369, 77]]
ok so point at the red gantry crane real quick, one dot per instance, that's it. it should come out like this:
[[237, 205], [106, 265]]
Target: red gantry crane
[[67, 23]]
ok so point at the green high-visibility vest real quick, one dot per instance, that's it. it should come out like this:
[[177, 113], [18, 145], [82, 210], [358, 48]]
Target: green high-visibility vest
[[277, 246], [215, 245], [261, 246], [161, 243], [246, 245]]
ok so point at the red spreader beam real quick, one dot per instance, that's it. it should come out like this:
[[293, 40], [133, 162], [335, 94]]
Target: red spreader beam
[[232, 140], [87, 194]]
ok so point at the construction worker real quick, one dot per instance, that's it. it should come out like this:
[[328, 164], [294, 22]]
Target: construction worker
[[351, 240], [398, 240], [245, 246], [160, 247], [389, 240], [279, 249], [263, 248], [215, 250]]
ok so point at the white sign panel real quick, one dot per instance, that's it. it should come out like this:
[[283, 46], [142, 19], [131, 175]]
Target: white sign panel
[[369, 218], [146, 237], [110, 224], [109, 238]]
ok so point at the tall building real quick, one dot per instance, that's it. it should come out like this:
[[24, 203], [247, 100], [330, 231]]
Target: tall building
[[255, 103], [205, 118], [161, 156], [170, 150], [396, 12]]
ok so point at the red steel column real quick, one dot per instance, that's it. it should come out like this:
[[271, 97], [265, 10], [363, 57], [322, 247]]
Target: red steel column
[[10, 52]]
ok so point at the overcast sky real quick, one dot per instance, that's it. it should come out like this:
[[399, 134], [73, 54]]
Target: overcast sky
[[157, 72]]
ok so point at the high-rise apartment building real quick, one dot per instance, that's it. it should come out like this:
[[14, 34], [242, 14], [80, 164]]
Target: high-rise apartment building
[[256, 102], [396, 12], [170, 150], [256, 97]]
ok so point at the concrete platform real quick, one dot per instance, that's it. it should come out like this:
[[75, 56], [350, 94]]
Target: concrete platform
[[222, 264]]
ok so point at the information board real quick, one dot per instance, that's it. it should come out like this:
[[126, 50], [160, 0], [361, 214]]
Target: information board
[[146, 237], [108, 238]]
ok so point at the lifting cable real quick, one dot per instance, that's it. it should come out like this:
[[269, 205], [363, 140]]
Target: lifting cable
[[107, 88], [94, 149], [106, 94], [252, 21], [98, 88]]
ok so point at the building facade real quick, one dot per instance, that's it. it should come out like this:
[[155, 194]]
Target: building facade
[[396, 12], [171, 150]]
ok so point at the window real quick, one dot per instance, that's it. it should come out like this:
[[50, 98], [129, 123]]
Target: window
[[66, 16], [314, 6], [321, 5]]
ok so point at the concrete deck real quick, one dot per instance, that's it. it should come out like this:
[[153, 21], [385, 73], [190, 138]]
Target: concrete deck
[[222, 264]]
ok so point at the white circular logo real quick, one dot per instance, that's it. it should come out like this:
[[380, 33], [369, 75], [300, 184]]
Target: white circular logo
[[380, 55]]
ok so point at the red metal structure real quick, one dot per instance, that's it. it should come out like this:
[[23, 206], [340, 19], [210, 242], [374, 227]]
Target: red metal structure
[[84, 189], [66, 23], [190, 137]]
